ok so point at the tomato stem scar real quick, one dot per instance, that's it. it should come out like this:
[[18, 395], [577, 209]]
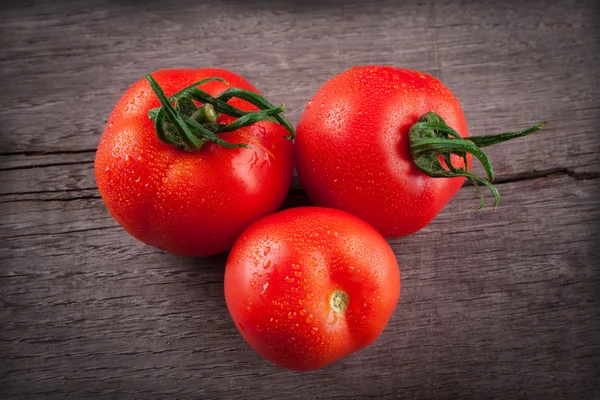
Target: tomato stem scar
[[431, 138], [339, 301]]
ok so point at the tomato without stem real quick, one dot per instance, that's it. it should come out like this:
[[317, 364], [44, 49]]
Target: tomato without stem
[[194, 200], [309, 285], [377, 141]]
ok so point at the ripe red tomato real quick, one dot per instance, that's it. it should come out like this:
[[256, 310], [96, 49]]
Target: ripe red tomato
[[368, 143], [310, 285], [188, 201]]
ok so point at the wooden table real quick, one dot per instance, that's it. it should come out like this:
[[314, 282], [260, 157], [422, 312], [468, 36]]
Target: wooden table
[[494, 304]]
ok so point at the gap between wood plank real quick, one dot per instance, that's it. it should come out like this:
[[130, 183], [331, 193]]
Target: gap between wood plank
[[295, 191], [46, 153]]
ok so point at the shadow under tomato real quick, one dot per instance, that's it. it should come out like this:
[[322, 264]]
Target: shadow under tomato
[[296, 198]]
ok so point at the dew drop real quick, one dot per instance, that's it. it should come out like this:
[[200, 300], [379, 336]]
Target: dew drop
[[331, 317], [265, 286]]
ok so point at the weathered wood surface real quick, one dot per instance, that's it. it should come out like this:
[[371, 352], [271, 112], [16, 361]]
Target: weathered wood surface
[[494, 304]]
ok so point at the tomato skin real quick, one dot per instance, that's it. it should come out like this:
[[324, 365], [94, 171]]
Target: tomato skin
[[352, 147], [280, 276], [189, 203]]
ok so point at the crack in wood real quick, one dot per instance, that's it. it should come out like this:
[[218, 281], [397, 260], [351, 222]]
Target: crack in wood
[[58, 164], [90, 197], [299, 191], [63, 232], [547, 173], [46, 153]]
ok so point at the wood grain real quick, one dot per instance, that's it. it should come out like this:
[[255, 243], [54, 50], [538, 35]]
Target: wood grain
[[494, 304], [505, 313]]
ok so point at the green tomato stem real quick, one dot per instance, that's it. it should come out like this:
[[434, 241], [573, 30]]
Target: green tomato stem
[[430, 139], [189, 127]]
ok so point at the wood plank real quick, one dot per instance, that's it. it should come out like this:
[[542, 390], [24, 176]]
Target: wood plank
[[498, 304], [97, 313], [556, 80]]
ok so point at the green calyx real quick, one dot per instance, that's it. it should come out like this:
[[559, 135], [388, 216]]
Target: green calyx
[[430, 139], [188, 126]]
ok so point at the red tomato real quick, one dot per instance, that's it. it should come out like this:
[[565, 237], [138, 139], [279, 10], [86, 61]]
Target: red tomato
[[193, 203], [355, 148], [309, 285]]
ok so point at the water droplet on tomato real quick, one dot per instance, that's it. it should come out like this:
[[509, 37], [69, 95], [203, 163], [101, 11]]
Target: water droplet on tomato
[[265, 286], [165, 180], [267, 250], [331, 317]]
